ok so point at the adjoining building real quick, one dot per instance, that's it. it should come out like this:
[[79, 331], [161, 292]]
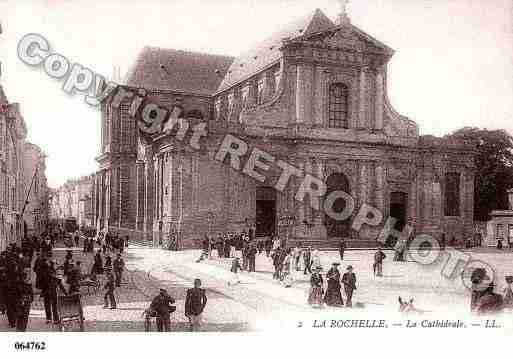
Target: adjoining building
[[13, 132], [35, 215], [313, 95], [72, 202]]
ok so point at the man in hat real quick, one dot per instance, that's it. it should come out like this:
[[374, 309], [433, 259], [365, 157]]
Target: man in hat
[[333, 295], [161, 305], [490, 302], [195, 302], [25, 297], [307, 260], [349, 280], [49, 293], [109, 294], [342, 249], [379, 256]]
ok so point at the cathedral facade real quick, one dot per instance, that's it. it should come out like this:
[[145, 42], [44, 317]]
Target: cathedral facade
[[313, 95]]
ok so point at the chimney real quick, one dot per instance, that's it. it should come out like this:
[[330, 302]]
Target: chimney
[[510, 198]]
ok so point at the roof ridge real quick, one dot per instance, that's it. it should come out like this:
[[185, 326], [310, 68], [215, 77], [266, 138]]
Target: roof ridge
[[186, 51]]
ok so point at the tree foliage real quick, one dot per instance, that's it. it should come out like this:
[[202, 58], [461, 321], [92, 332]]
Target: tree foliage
[[494, 169]]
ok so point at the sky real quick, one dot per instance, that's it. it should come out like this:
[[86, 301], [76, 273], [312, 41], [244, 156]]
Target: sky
[[453, 65]]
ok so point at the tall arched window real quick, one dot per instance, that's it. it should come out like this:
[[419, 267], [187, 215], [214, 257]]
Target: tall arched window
[[338, 105], [452, 194]]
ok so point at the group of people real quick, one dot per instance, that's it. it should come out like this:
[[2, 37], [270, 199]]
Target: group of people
[[162, 306], [16, 294], [31, 265], [109, 242], [332, 295]]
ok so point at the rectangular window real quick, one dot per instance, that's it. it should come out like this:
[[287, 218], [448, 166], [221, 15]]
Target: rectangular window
[[260, 92], [230, 104], [338, 105], [277, 78], [452, 194], [217, 109], [500, 231]]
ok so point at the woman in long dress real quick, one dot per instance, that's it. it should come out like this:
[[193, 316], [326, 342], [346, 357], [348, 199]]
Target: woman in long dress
[[286, 270], [333, 296], [316, 291]]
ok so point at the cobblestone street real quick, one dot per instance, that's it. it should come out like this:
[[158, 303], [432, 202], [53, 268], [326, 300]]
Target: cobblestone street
[[259, 302]]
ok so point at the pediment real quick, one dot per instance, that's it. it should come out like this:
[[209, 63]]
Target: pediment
[[349, 38]]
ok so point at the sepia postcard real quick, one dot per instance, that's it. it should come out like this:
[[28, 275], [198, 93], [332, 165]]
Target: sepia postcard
[[334, 170]]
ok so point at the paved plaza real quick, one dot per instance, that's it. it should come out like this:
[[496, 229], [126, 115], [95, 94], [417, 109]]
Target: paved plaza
[[261, 303]]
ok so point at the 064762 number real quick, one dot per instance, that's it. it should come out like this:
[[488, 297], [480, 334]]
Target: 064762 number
[[30, 345]]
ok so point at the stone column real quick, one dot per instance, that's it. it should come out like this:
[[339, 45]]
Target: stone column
[[362, 100], [306, 203], [148, 197], [319, 215], [363, 181], [320, 97], [379, 103], [94, 197], [413, 200], [380, 187], [108, 195], [300, 205], [140, 187], [304, 94]]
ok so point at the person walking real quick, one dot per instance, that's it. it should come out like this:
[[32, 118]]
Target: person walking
[[97, 268], [379, 256], [307, 260], [236, 267], [342, 249], [252, 252], [195, 302], [109, 294], [297, 256], [162, 306], [25, 297], [276, 256], [40, 267], [316, 289], [77, 238], [349, 280], [333, 297], [74, 278], [49, 293], [316, 258], [286, 270], [119, 267]]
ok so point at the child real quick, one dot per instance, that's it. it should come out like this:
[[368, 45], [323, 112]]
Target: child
[[235, 271]]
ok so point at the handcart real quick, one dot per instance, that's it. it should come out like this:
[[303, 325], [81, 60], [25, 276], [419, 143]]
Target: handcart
[[70, 311]]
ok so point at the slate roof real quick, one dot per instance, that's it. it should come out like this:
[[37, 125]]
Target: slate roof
[[168, 69], [268, 51]]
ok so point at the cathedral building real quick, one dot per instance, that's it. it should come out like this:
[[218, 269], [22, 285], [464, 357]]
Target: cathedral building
[[313, 95]]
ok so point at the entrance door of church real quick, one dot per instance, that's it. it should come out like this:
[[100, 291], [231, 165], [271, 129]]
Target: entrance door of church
[[335, 228], [399, 211], [265, 211]]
